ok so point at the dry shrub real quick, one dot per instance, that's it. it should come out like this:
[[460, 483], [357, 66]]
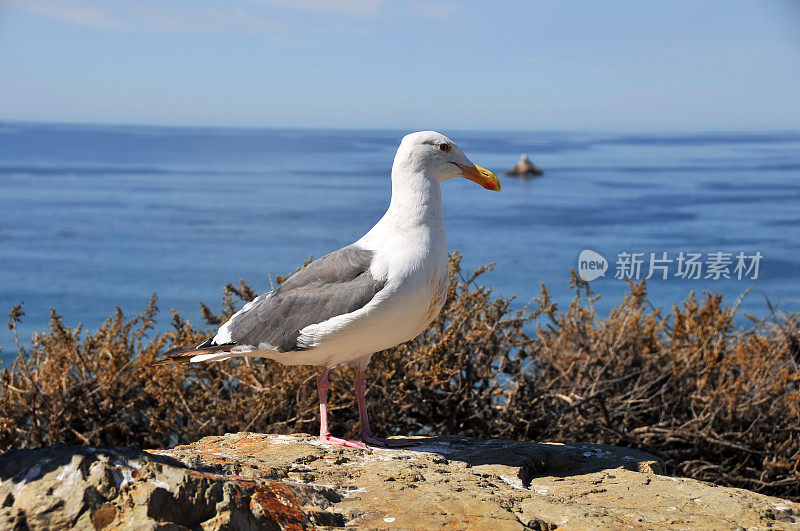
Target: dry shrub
[[716, 402]]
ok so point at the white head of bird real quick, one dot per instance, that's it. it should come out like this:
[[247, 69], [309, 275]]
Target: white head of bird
[[433, 156]]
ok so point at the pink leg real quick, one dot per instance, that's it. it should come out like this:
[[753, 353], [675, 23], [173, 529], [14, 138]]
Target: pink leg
[[365, 432], [324, 433]]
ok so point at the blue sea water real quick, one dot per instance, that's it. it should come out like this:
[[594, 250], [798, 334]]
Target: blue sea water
[[98, 216]]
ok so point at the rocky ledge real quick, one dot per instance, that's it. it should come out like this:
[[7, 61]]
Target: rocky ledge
[[255, 481]]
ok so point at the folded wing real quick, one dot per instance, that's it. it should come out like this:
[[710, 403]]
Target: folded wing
[[336, 284]]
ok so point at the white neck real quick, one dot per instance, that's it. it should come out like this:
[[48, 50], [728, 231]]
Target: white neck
[[415, 200], [416, 204]]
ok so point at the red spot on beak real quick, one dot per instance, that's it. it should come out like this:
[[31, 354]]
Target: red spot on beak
[[490, 186]]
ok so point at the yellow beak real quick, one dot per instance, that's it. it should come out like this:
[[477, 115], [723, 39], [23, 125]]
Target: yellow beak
[[479, 175]]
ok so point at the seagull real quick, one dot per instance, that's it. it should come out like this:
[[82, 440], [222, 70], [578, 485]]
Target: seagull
[[374, 294]]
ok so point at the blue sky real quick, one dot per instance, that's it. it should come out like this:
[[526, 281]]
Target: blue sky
[[610, 65]]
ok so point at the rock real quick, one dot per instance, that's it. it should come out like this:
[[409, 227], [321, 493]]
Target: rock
[[255, 481], [525, 168]]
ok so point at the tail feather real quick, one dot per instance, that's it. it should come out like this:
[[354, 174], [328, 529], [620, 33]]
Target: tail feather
[[185, 354]]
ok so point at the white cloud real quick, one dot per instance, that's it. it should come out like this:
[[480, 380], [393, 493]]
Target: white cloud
[[341, 7], [429, 9], [77, 12], [144, 16], [173, 20], [193, 17]]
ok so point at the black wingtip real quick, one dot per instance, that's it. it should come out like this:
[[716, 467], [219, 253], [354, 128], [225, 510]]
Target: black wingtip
[[185, 354]]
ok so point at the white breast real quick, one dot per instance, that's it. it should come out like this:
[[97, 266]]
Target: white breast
[[410, 249], [416, 286]]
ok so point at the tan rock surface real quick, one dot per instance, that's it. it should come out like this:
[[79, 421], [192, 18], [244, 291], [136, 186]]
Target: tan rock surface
[[255, 481]]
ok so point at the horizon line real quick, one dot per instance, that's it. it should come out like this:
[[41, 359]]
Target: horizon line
[[664, 130]]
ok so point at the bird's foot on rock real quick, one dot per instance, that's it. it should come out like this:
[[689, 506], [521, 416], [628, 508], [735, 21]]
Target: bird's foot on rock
[[387, 443], [347, 443]]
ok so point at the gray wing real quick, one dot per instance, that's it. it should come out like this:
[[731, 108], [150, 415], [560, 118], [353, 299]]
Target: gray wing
[[336, 284]]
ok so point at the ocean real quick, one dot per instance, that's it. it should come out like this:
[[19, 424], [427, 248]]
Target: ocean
[[95, 217]]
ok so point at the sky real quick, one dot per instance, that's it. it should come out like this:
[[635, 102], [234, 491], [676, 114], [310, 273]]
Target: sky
[[500, 65]]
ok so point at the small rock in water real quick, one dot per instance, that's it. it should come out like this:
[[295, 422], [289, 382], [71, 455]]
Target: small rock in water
[[525, 168]]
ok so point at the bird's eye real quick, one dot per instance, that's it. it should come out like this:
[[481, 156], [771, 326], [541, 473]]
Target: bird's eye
[[444, 146]]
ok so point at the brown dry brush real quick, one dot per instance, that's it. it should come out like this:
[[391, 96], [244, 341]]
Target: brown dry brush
[[717, 402]]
